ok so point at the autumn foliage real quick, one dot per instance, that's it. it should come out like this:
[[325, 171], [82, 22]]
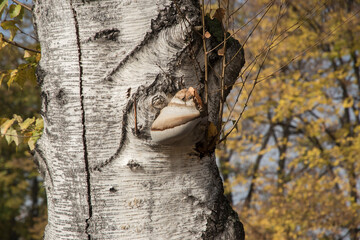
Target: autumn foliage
[[290, 163]]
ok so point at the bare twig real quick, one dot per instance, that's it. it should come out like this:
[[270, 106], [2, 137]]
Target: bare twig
[[252, 31], [205, 53], [299, 23], [231, 35], [27, 7], [297, 56], [20, 46], [222, 79], [310, 47], [19, 136], [271, 37], [238, 8], [241, 113], [28, 35]]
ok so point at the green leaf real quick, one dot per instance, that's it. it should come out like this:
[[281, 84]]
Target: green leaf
[[14, 10], [10, 25], [3, 4], [21, 14], [24, 125], [5, 126]]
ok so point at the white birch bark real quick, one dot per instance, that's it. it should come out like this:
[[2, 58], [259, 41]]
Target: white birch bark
[[103, 179]]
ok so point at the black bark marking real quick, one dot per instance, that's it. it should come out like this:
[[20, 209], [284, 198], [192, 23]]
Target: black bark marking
[[40, 75], [61, 97], [108, 34], [113, 190], [165, 18], [169, 17], [44, 105], [38, 155], [122, 138], [134, 166], [87, 170]]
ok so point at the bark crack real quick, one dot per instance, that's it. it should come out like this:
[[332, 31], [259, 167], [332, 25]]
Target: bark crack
[[87, 170]]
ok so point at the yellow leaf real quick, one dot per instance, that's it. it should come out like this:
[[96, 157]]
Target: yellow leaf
[[17, 118], [348, 102], [212, 130], [13, 74], [24, 125], [39, 125], [2, 76], [5, 126], [31, 143], [27, 54], [12, 135]]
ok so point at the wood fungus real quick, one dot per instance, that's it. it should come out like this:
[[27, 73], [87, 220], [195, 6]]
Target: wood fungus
[[177, 121]]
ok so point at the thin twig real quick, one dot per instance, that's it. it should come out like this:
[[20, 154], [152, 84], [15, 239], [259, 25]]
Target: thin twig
[[205, 53], [297, 56], [300, 22], [238, 8], [241, 113], [20, 46], [19, 136], [238, 29], [28, 35], [252, 31], [222, 79], [310, 47], [27, 7], [271, 37]]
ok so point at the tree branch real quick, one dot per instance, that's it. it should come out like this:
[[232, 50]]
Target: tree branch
[[20, 46], [27, 7]]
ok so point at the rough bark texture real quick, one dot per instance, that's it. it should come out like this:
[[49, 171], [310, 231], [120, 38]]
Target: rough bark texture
[[103, 179]]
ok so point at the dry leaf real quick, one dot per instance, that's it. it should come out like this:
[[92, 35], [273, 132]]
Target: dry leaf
[[221, 51], [219, 14], [207, 35], [212, 130]]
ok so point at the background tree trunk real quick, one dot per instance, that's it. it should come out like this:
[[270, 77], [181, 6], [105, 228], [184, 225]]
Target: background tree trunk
[[104, 178]]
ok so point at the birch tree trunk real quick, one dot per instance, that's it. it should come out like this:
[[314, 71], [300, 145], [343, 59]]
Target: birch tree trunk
[[104, 177]]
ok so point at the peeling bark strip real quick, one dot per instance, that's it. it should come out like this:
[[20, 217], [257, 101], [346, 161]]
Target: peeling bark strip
[[105, 177], [87, 170]]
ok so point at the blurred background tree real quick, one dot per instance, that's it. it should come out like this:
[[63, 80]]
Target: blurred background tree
[[22, 198], [290, 163]]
